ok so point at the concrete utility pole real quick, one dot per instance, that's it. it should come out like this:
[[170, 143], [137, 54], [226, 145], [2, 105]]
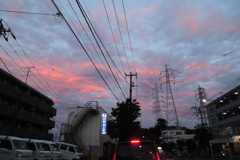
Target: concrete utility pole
[[131, 84]]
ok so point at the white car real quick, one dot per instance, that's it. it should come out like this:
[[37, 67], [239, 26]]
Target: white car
[[70, 151], [56, 154], [14, 148], [41, 151]]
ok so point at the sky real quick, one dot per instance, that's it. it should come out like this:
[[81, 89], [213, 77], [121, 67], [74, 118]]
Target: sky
[[88, 53]]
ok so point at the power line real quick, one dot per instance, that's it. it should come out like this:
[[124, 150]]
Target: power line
[[88, 37], [120, 34], [41, 76], [84, 50], [6, 66], [92, 29], [129, 36], [43, 14], [26, 65], [113, 35]]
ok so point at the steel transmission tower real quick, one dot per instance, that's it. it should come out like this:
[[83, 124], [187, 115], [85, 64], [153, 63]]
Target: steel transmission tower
[[171, 112], [201, 111], [157, 103]]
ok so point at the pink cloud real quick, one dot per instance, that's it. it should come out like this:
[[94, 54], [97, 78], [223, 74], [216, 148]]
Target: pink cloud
[[205, 22], [17, 6], [151, 9], [195, 66]]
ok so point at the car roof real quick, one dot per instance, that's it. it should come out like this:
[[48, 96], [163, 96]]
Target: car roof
[[10, 137], [32, 140], [69, 144]]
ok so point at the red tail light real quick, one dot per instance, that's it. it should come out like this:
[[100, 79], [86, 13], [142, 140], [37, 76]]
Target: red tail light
[[114, 156], [134, 141], [158, 156]]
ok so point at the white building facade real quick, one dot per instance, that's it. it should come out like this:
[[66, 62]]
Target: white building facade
[[87, 128], [174, 135]]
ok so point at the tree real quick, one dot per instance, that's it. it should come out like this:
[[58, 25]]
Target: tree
[[125, 126], [202, 136], [161, 124], [159, 127], [191, 146]]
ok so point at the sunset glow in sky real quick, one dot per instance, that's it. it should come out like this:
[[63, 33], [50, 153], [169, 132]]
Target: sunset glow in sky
[[199, 40]]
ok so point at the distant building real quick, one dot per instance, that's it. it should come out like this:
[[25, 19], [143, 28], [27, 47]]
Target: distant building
[[86, 127], [24, 112], [224, 119], [175, 135]]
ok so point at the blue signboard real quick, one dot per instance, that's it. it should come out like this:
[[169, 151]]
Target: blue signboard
[[104, 123]]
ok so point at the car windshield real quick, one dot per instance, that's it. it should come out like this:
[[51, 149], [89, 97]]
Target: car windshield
[[77, 149], [54, 147], [18, 144], [43, 147], [138, 151]]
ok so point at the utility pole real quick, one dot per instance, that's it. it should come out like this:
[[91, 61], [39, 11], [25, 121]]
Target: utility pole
[[131, 84], [4, 31]]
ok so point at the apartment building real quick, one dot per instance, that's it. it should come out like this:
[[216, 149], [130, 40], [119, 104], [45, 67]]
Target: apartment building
[[24, 111], [224, 119]]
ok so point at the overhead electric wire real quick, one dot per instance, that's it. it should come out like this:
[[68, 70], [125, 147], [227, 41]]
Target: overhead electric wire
[[85, 50], [5, 66], [113, 36], [47, 88], [213, 59], [187, 114], [25, 65], [116, 46], [22, 68], [130, 44], [42, 77], [92, 29], [191, 121], [120, 34], [88, 37], [10, 57], [129, 36], [45, 14]]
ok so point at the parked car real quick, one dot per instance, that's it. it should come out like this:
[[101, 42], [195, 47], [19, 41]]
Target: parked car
[[41, 151], [56, 154], [136, 149], [14, 148], [70, 151]]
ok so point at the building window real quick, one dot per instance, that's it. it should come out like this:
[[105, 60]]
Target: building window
[[213, 120], [211, 110], [229, 130], [235, 130], [238, 128]]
